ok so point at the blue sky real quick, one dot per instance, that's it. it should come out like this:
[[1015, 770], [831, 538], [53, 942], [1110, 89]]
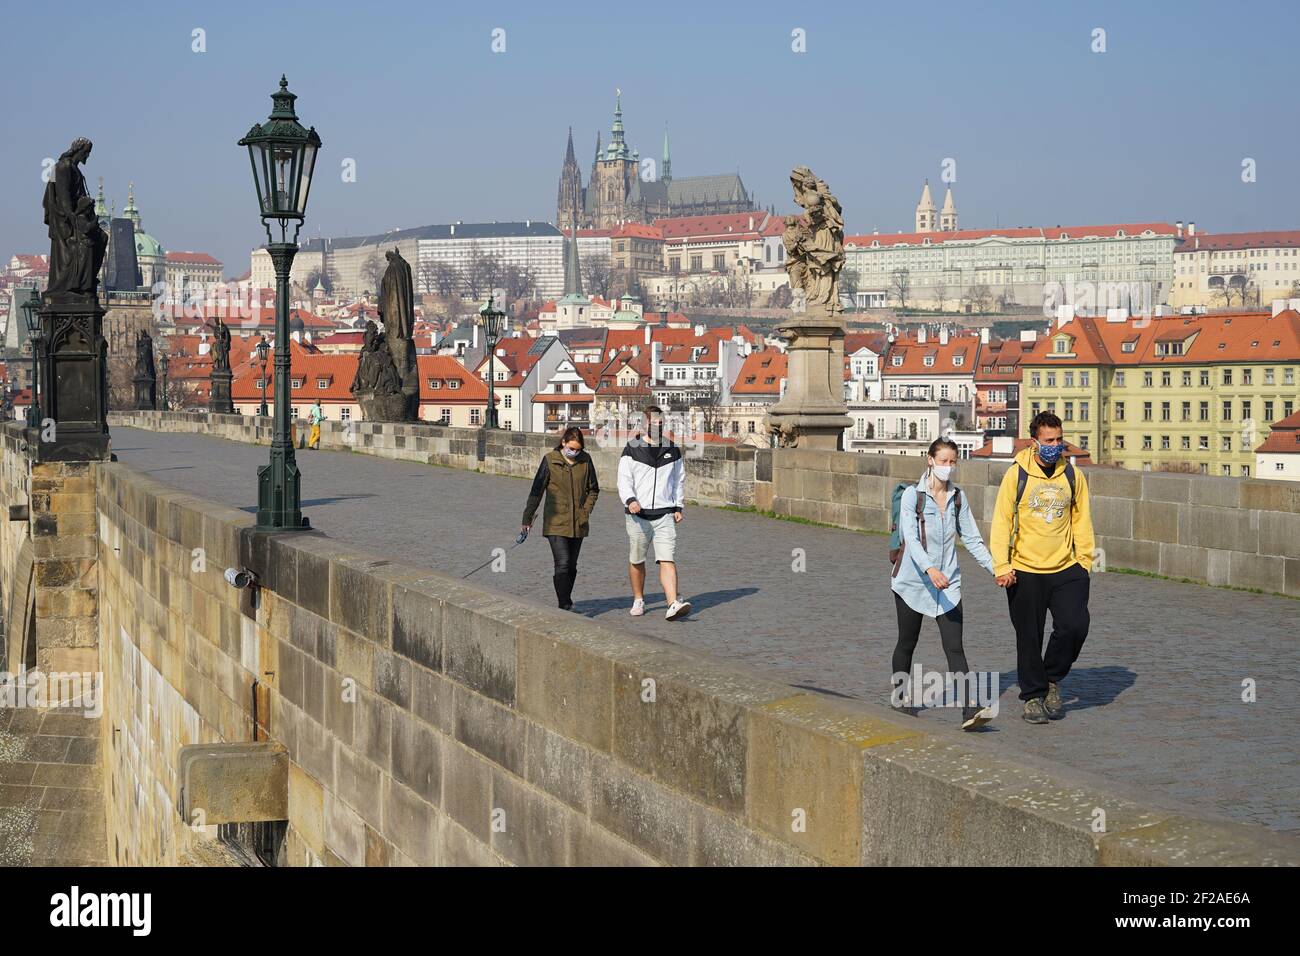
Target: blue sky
[[1042, 129]]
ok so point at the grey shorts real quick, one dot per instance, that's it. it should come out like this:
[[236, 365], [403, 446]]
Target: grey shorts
[[642, 531]]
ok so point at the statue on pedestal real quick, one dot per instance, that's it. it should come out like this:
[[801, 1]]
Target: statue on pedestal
[[145, 379], [811, 413], [77, 243], [72, 363], [219, 398], [387, 383]]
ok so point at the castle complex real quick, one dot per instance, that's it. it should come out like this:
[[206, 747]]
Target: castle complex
[[622, 188]]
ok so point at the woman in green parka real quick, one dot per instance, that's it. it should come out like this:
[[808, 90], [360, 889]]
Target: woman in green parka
[[567, 476]]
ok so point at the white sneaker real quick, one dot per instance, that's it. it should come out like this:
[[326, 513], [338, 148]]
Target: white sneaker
[[678, 609], [638, 607]]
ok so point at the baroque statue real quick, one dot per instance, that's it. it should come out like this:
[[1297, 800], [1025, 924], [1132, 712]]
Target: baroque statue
[[77, 243], [811, 412], [220, 345], [387, 381], [814, 242]]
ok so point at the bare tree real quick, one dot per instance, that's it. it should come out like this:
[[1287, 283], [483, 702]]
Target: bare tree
[[780, 298], [479, 271], [371, 272], [1008, 297], [596, 275], [519, 282], [940, 292], [980, 297], [900, 286], [849, 283]]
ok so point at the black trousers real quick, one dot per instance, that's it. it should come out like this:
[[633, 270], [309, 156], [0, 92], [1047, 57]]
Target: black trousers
[[1065, 594], [565, 553], [909, 632]]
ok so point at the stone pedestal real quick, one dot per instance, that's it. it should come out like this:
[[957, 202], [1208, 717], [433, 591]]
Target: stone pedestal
[[812, 413], [73, 381], [219, 402], [145, 393], [388, 407]]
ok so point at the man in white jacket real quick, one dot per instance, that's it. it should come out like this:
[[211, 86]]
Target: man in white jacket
[[652, 486]]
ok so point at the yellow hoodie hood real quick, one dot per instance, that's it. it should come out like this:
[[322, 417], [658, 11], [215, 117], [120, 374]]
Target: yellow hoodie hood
[[1050, 529]]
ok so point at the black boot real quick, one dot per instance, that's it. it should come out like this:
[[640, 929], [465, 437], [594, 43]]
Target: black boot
[[563, 588], [568, 590]]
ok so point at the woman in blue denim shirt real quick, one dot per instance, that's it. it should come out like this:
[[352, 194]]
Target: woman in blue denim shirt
[[928, 580]]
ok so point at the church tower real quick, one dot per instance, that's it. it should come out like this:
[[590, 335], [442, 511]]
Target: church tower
[[613, 177], [569, 199], [927, 214], [948, 215]]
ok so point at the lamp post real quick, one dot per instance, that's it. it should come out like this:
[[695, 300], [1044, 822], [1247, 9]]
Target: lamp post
[[263, 347], [163, 360], [33, 320], [283, 156], [492, 320]]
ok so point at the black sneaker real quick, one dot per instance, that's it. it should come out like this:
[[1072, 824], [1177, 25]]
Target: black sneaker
[[975, 717], [1052, 702], [1035, 712]]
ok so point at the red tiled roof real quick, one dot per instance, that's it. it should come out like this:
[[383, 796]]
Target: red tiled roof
[[758, 367], [961, 345], [1284, 439], [196, 258], [1214, 242], [1218, 337], [728, 226]]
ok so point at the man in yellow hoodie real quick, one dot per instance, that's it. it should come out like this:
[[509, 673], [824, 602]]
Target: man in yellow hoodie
[[1042, 545]]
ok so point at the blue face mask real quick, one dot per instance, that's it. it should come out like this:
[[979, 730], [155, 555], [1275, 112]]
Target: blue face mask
[[572, 452], [1050, 453]]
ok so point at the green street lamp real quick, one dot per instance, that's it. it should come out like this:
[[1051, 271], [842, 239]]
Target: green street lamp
[[493, 319], [283, 155], [263, 347], [33, 320]]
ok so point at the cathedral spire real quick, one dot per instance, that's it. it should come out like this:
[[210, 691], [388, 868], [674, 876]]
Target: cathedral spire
[[568, 153], [617, 148], [572, 274], [667, 173]]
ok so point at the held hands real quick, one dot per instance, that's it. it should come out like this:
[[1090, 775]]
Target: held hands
[[1006, 580], [938, 578]]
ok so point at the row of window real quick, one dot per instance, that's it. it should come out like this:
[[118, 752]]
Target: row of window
[[1225, 470], [1228, 376]]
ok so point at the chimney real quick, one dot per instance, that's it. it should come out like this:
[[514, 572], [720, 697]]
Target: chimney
[[654, 361], [751, 223], [1179, 226], [1003, 445], [699, 329], [1279, 305], [943, 335], [1028, 335], [1191, 228], [453, 229], [920, 335], [984, 336], [648, 329]]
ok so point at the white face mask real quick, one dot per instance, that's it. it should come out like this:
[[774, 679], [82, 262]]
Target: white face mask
[[942, 472]]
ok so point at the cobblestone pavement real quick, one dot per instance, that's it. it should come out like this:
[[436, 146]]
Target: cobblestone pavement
[[1154, 703]]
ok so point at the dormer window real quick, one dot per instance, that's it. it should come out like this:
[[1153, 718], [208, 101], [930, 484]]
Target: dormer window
[[957, 360], [435, 384], [453, 383], [1128, 346], [1061, 345], [295, 383], [897, 360]]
